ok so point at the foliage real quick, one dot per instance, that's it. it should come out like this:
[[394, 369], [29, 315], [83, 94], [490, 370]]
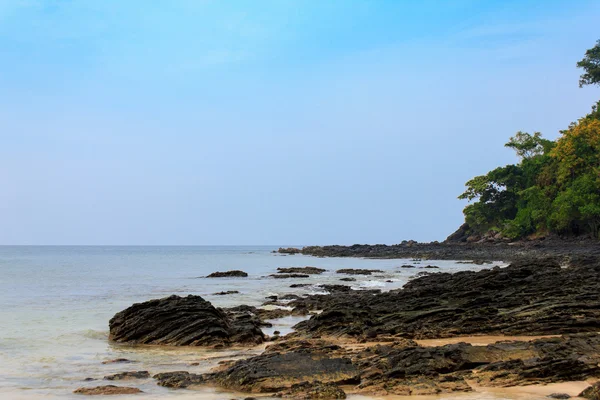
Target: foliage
[[554, 188], [591, 65]]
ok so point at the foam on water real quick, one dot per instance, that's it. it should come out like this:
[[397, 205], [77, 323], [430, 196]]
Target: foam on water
[[57, 302]]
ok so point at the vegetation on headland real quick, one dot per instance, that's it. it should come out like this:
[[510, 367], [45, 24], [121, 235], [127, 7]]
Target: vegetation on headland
[[555, 187]]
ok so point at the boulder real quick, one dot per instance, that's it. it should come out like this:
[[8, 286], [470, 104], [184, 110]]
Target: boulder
[[183, 321], [301, 270], [107, 390], [229, 274], [128, 375]]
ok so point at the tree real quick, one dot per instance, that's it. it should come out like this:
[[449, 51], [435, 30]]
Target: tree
[[578, 150], [528, 146], [591, 65]]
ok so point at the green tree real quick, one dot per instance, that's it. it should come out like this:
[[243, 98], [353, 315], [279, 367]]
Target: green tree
[[591, 65]]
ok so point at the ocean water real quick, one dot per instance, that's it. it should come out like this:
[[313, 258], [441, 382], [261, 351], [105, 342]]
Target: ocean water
[[56, 302]]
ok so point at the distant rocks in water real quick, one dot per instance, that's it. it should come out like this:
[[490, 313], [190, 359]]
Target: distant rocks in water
[[336, 288], [431, 267], [225, 293], [229, 274], [408, 266], [299, 285], [107, 390], [118, 361], [348, 279], [183, 321], [559, 396], [178, 379], [351, 271], [128, 375], [289, 250], [300, 270], [288, 276]]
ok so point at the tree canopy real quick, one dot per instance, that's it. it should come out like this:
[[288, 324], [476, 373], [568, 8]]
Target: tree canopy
[[555, 186]]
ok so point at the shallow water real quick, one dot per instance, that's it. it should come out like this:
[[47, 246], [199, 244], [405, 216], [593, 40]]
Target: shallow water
[[56, 303]]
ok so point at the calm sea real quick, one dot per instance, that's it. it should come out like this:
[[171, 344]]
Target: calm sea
[[56, 302]]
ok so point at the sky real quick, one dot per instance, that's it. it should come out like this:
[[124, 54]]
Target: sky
[[205, 122]]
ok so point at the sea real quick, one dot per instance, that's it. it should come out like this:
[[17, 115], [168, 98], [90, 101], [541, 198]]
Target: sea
[[56, 301]]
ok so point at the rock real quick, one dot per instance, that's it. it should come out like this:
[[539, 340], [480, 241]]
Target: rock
[[592, 392], [351, 271], [229, 274], [225, 293], [348, 279], [288, 276], [107, 390], [183, 321], [431, 267], [301, 270], [178, 379], [407, 266], [526, 298], [558, 396], [336, 288], [300, 285], [289, 250], [128, 375], [118, 361], [273, 372], [314, 390]]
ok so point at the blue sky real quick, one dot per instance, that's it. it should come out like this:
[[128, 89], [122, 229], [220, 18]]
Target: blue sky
[[271, 122]]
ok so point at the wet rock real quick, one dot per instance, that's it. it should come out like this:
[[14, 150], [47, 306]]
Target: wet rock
[[226, 293], [300, 285], [178, 379], [558, 396], [407, 266], [348, 279], [592, 392], [352, 271], [431, 267], [229, 274], [118, 361], [128, 375], [183, 321], [301, 270], [107, 390], [336, 288], [288, 276], [314, 390]]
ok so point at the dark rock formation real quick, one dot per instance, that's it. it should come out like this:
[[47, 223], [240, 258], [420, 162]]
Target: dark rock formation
[[273, 372], [229, 274], [288, 250], [352, 271], [118, 361], [128, 375], [183, 321], [301, 270], [592, 392], [178, 379], [313, 390], [107, 390], [226, 293], [288, 276], [523, 299], [348, 279]]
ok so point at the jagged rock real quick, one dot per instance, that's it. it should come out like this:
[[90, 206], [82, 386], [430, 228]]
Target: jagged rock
[[314, 390], [183, 321], [107, 390], [530, 298], [336, 288], [229, 274], [592, 392], [353, 271], [178, 379], [301, 270], [274, 372], [128, 375]]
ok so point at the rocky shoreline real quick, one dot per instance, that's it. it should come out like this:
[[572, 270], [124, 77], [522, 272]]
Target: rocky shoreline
[[367, 342], [485, 250]]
